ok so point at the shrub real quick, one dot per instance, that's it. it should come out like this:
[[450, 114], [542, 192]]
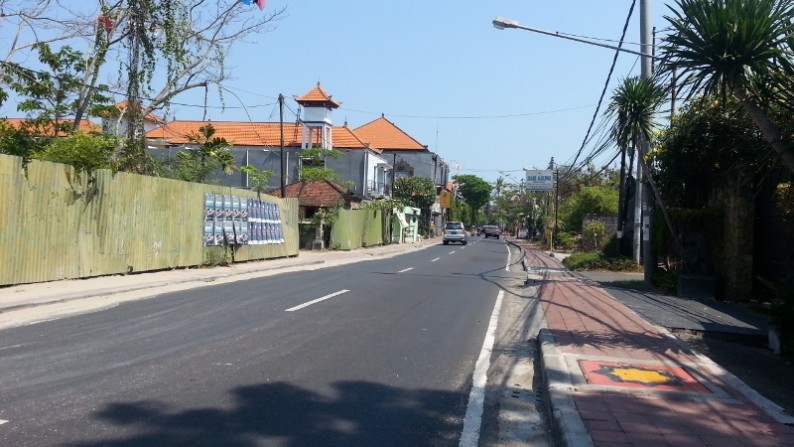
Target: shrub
[[598, 261], [565, 241]]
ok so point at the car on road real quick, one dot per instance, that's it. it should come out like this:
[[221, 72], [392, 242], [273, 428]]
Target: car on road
[[455, 232], [491, 231]]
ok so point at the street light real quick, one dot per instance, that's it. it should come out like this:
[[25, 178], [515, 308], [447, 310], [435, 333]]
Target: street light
[[502, 23], [643, 208]]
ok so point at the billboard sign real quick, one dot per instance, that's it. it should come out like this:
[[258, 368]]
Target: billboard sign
[[540, 180], [445, 199]]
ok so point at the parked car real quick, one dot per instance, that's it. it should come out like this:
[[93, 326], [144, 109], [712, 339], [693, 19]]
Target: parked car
[[455, 232], [491, 231]]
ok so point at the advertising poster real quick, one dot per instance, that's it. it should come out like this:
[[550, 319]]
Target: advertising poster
[[209, 219], [239, 220]]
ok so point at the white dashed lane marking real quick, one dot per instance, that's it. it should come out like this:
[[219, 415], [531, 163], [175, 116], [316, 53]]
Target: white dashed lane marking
[[434, 260], [309, 303], [406, 270]]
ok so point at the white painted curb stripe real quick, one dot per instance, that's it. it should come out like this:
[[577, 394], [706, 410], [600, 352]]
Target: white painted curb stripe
[[470, 436], [406, 270], [309, 303]]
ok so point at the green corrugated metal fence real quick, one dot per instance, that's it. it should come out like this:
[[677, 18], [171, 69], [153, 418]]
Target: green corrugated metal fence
[[354, 229], [58, 224]]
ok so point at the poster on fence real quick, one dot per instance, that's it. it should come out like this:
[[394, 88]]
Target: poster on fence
[[233, 220]]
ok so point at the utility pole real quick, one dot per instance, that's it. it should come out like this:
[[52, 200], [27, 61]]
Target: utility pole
[[646, 72], [556, 197], [283, 160], [556, 205]]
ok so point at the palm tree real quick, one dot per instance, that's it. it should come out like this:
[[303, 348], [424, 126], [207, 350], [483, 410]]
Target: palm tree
[[633, 105], [632, 108], [737, 47]]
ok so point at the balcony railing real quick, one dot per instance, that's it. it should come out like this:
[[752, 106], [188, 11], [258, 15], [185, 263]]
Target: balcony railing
[[378, 190]]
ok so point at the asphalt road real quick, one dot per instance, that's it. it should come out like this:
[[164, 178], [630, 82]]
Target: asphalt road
[[374, 353]]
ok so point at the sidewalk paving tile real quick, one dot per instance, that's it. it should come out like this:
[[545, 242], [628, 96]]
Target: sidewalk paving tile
[[632, 383]]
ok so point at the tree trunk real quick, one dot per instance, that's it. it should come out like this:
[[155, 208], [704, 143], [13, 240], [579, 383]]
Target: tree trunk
[[768, 129]]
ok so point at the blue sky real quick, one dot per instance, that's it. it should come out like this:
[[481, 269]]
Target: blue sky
[[491, 102]]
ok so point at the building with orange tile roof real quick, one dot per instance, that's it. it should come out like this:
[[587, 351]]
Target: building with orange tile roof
[[114, 119], [258, 144], [314, 195], [370, 152], [409, 157], [48, 130]]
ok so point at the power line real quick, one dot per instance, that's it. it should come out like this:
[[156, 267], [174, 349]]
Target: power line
[[604, 90], [472, 117]]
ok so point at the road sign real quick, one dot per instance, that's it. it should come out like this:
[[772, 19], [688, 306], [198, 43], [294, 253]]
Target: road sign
[[540, 180]]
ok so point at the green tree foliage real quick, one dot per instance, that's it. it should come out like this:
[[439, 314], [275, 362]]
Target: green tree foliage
[[593, 236], [86, 153], [709, 136], [165, 47], [740, 48], [475, 191], [19, 141], [598, 200], [257, 179], [313, 164], [197, 165], [632, 109], [418, 192], [50, 95]]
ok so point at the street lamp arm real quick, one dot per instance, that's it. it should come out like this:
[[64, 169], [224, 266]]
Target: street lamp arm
[[501, 23]]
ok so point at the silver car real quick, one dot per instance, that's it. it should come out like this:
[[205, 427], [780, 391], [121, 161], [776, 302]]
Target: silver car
[[455, 232]]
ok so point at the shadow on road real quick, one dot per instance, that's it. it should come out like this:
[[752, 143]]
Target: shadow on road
[[360, 414]]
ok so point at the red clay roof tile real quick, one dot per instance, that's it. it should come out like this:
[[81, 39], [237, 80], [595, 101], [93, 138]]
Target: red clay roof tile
[[320, 193], [149, 116], [253, 134], [317, 96], [383, 134], [85, 126]]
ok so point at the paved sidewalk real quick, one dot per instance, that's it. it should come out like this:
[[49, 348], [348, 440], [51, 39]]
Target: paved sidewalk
[[613, 379]]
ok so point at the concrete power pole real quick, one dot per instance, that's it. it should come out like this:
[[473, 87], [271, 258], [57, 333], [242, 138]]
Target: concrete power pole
[[646, 72]]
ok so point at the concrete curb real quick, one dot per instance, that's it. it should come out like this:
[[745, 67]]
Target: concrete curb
[[567, 425], [109, 291], [566, 422], [197, 275]]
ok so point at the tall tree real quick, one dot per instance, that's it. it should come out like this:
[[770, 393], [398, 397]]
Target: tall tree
[[48, 96], [26, 24], [474, 190], [632, 108], [736, 47], [166, 47]]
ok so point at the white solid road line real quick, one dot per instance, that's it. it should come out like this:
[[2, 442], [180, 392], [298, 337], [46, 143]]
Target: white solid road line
[[507, 266], [309, 303], [406, 270], [470, 436]]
